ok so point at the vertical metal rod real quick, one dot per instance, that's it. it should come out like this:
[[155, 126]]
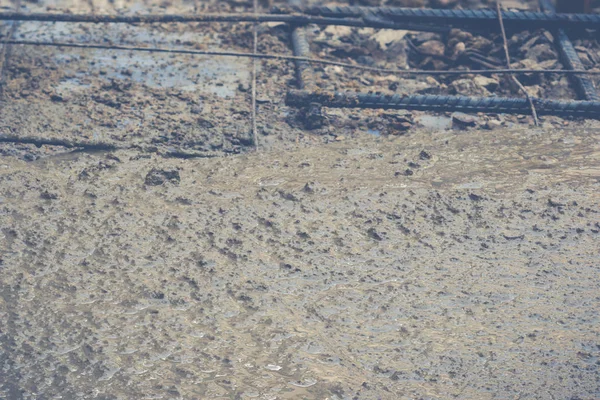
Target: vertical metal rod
[[583, 84], [514, 78], [6, 51], [301, 48], [254, 51]]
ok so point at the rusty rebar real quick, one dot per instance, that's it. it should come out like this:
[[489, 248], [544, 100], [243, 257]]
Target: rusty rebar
[[294, 19], [301, 48], [492, 105], [527, 20], [395, 17]]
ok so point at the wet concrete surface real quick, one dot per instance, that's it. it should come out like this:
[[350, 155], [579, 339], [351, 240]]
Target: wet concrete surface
[[382, 256], [323, 272]]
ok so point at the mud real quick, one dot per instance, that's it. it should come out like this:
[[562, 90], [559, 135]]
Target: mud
[[384, 255]]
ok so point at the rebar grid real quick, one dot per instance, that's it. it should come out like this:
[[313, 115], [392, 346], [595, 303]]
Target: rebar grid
[[529, 105], [381, 17]]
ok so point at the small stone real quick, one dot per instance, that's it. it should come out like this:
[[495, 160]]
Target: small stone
[[462, 36], [475, 197], [243, 87], [310, 187], [585, 59], [399, 128], [334, 30], [468, 87], [433, 63], [197, 109], [431, 81], [46, 195], [462, 120], [480, 43], [490, 84], [493, 124], [529, 43], [541, 52], [535, 91], [339, 138], [548, 64], [159, 176], [424, 155], [366, 60], [387, 37], [432, 48], [459, 48], [373, 234]]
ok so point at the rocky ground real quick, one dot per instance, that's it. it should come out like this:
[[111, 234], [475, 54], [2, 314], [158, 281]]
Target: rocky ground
[[415, 255]]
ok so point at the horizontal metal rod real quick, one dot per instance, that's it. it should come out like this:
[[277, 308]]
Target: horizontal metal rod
[[294, 19], [165, 18], [97, 145], [495, 105], [523, 19], [44, 141], [393, 18], [402, 72]]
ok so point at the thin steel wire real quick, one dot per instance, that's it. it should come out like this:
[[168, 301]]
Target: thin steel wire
[[283, 57], [513, 77]]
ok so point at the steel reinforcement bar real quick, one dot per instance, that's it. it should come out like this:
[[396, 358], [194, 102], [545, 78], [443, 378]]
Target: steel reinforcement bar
[[295, 20], [349, 16], [583, 85], [494, 105], [301, 48], [514, 19], [183, 18]]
